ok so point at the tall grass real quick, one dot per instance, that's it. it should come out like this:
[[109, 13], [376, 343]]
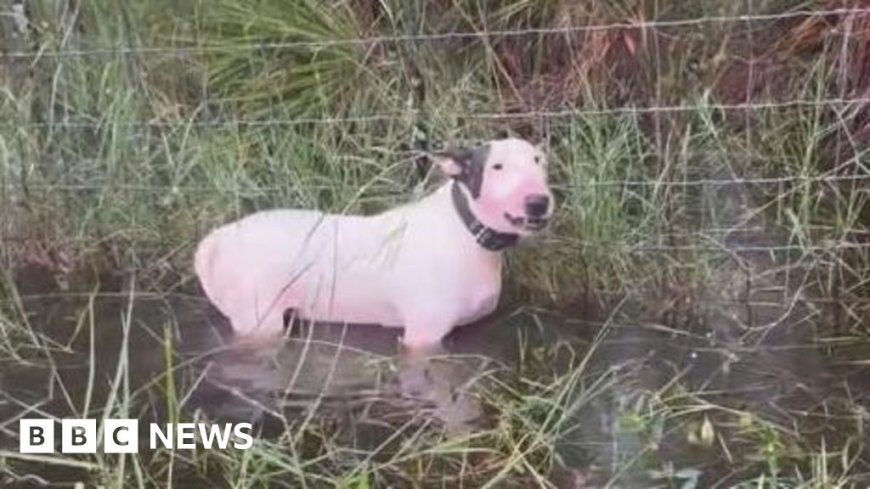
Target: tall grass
[[122, 160]]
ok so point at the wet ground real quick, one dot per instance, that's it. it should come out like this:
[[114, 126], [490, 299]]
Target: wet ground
[[87, 332], [748, 351]]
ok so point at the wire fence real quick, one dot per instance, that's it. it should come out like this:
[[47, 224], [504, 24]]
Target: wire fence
[[418, 38], [721, 241], [855, 172], [700, 182], [845, 103]]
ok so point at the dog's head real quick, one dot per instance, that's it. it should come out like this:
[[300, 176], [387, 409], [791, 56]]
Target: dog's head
[[506, 184]]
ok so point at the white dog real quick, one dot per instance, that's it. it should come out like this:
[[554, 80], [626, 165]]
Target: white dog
[[427, 266]]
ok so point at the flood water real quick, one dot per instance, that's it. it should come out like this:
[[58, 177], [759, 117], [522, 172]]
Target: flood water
[[748, 350]]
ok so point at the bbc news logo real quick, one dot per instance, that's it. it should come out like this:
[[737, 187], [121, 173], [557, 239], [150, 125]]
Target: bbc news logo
[[122, 436]]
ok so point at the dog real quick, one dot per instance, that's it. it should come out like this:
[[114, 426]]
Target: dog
[[427, 266]]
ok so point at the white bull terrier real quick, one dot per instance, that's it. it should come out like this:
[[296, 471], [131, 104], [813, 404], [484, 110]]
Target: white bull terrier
[[427, 266]]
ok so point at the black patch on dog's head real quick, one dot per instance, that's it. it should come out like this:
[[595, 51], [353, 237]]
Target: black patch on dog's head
[[472, 162], [472, 176]]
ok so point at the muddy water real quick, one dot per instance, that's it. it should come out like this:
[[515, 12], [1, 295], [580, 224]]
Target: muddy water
[[748, 348], [334, 368]]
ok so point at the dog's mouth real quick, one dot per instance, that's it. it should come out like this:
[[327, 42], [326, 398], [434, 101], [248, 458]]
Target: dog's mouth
[[532, 224]]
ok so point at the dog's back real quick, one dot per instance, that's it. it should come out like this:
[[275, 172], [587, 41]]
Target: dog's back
[[296, 259]]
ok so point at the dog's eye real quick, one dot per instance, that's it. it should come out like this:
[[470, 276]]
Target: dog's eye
[[537, 160], [497, 166]]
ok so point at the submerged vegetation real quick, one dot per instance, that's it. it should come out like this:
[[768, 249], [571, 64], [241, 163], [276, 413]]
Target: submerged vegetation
[[696, 317]]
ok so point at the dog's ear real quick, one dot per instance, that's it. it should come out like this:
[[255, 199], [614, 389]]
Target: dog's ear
[[539, 141], [465, 166], [452, 162]]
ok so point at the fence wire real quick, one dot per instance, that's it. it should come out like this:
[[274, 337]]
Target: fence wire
[[847, 103], [419, 38], [701, 182]]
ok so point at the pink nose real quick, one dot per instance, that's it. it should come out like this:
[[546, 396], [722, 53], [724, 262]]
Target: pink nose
[[537, 205]]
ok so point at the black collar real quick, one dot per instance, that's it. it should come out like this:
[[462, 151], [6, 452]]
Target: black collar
[[486, 237]]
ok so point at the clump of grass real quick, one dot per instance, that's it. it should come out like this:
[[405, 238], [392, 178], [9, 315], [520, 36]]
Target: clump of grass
[[273, 54]]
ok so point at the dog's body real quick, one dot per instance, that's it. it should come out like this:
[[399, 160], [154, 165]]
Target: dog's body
[[417, 266]]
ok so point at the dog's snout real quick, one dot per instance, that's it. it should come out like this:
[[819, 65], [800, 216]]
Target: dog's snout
[[537, 205]]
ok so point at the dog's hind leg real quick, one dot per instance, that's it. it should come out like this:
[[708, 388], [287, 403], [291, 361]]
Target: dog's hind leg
[[251, 323]]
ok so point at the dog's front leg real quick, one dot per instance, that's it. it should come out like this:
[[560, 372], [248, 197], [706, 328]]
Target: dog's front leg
[[420, 343]]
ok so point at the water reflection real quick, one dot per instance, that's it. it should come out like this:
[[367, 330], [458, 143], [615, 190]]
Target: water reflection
[[337, 367], [359, 377]]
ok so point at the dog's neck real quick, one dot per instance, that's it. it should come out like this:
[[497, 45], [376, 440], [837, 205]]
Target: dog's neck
[[486, 237]]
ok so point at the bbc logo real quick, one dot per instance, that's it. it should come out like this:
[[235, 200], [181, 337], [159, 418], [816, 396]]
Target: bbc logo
[[78, 436], [122, 436]]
